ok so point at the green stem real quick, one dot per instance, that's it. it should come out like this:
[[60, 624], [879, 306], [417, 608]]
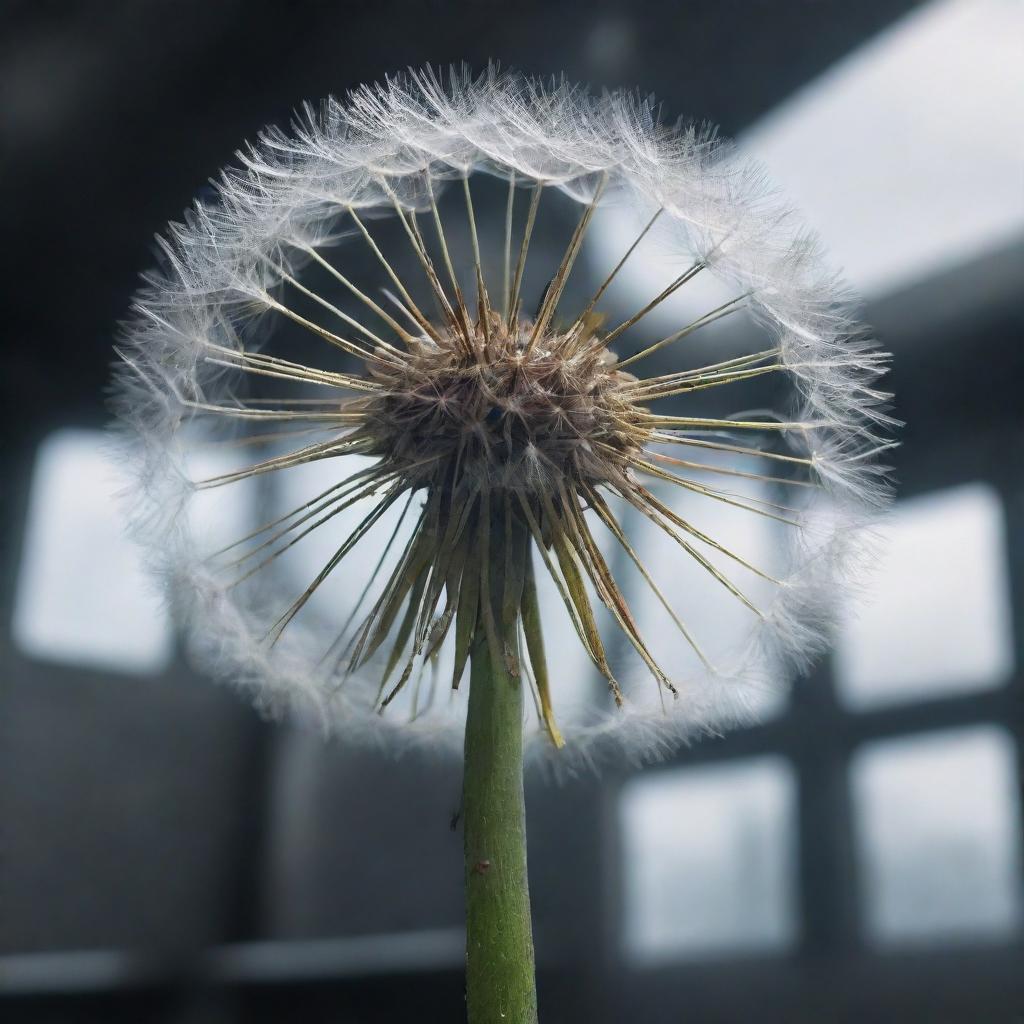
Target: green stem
[[500, 986]]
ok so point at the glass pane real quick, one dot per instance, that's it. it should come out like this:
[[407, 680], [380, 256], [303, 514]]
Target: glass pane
[[936, 616], [708, 856], [892, 100], [82, 594], [938, 822]]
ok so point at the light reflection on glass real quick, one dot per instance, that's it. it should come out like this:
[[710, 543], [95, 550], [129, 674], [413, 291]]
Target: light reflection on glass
[[83, 597], [708, 860], [936, 618], [938, 827]]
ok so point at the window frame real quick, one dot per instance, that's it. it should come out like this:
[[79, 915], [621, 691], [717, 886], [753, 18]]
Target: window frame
[[819, 736]]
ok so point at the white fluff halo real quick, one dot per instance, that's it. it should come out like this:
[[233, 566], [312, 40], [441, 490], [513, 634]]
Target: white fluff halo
[[382, 148]]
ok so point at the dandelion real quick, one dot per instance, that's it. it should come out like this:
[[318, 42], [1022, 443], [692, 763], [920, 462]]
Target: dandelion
[[347, 309]]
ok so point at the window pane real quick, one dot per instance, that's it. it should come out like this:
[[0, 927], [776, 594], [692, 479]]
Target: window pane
[[891, 96], [708, 860], [82, 594], [938, 825], [936, 617]]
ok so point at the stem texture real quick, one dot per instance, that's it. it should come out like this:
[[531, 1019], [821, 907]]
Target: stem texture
[[500, 986]]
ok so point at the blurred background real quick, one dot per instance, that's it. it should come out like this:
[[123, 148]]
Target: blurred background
[[167, 855]]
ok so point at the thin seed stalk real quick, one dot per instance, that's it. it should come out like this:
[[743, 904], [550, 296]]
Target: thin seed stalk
[[500, 983]]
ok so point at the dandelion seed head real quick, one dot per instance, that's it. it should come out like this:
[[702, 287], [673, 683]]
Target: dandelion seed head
[[507, 415], [351, 339]]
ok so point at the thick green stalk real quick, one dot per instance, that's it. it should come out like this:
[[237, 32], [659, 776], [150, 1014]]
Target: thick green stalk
[[500, 986]]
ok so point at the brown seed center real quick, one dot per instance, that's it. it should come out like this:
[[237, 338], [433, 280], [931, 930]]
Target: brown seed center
[[509, 416]]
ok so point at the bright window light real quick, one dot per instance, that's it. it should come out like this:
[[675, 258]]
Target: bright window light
[[708, 860], [903, 156], [906, 155], [83, 596], [938, 825], [936, 618]]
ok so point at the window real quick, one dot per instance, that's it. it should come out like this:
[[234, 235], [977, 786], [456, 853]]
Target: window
[[869, 129], [708, 860], [927, 849], [82, 595], [938, 829], [916, 636]]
